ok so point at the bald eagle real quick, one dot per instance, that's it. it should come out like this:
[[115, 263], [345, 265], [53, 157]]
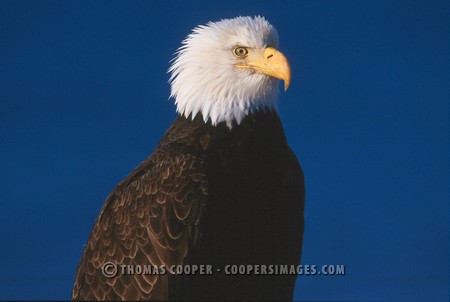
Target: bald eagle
[[221, 198]]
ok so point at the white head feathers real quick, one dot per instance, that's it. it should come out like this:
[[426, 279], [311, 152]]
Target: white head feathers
[[205, 78]]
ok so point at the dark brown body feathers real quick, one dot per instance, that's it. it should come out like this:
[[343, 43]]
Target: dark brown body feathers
[[207, 195]]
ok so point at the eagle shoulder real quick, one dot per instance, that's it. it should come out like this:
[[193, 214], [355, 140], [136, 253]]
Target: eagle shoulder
[[151, 218]]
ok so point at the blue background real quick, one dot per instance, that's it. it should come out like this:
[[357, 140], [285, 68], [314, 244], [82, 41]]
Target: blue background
[[84, 99]]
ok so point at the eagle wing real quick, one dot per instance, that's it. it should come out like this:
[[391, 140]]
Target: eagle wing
[[150, 218]]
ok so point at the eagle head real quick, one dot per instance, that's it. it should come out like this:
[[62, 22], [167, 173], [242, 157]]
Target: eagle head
[[228, 69]]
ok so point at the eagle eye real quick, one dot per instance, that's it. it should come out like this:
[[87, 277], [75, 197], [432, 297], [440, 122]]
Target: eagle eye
[[240, 51]]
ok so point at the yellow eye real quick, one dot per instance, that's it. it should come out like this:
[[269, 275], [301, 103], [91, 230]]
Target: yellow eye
[[240, 51]]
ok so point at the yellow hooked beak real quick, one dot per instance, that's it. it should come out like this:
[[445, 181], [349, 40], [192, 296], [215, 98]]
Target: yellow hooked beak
[[271, 62]]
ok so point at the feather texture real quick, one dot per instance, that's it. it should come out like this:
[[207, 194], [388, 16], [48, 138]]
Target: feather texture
[[146, 220]]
